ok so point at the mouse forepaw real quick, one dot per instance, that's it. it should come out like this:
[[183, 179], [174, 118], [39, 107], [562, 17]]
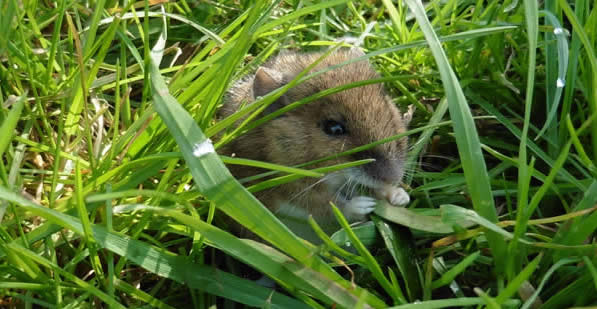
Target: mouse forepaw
[[360, 206], [395, 196]]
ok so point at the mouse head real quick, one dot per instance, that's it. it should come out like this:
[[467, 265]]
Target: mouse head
[[337, 122]]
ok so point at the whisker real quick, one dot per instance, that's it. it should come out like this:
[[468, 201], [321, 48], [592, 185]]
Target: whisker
[[338, 193], [304, 191]]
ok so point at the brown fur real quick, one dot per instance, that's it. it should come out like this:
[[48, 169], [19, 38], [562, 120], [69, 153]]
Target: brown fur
[[298, 137]]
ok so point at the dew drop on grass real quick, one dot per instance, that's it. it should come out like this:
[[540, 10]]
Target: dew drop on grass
[[558, 30], [203, 148], [560, 82]]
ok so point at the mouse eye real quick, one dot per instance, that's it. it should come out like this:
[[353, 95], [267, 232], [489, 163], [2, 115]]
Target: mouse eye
[[333, 128]]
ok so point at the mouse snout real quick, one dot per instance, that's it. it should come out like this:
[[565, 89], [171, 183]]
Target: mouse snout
[[385, 169]]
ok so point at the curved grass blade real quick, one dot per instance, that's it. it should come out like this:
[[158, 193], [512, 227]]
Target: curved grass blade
[[162, 262], [400, 243], [562, 50], [372, 264], [17, 248], [292, 177], [198, 27], [537, 151], [579, 229], [294, 15], [568, 296], [9, 124], [452, 214], [271, 166], [449, 276], [591, 55], [517, 281], [365, 232], [268, 260], [467, 139], [406, 217], [531, 300], [79, 98], [453, 303]]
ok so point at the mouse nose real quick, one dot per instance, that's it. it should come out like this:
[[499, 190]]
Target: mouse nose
[[385, 169]]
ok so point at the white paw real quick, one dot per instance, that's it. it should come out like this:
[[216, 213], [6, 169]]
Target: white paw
[[394, 195], [360, 205]]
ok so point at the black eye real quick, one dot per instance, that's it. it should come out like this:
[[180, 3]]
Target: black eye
[[334, 128]]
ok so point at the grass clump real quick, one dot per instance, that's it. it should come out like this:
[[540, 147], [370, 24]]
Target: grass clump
[[112, 195]]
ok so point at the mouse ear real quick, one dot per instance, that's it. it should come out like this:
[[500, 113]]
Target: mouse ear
[[267, 80]]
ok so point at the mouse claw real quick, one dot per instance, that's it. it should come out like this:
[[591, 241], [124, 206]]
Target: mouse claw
[[360, 205], [394, 195]]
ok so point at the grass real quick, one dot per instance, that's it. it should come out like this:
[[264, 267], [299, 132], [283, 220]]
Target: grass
[[112, 195]]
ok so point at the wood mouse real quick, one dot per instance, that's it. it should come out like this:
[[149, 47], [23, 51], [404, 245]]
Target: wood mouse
[[330, 125]]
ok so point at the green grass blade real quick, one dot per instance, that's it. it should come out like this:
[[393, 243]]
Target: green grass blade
[[449, 276], [531, 145], [372, 264], [573, 66], [158, 261], [531, 18], [591, 56], [288, 178], [555, 77], [408, 218], [79, 96], [140, 295], [530, 302], [517, 281], [452, 303], [270, 166], [268, 260], [7, 129], [8, 10], [303, 11], [567, 297], [335, 241], [400, 243], [54, 267], [491, 302], [467, 138], [580, 228]]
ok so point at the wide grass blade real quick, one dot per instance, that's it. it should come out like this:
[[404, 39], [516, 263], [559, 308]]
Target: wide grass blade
[[400, 243], [449, 276], [452, 303], [467, 138], [9, 123], [413, 220], [18, 249], [555, 77], [592, 57], [517, 281], [372, 264], [278, 266], [531, 300]]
